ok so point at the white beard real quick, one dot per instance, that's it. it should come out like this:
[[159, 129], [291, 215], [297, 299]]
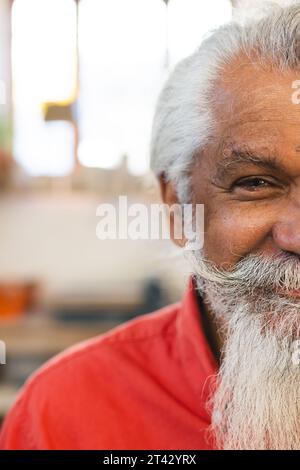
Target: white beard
[[256, 404]]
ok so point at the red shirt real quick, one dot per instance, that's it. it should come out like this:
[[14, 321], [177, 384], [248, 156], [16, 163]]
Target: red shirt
[[142, 385]]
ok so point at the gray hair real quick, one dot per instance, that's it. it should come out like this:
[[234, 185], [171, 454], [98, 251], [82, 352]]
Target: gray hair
[[183, 121]]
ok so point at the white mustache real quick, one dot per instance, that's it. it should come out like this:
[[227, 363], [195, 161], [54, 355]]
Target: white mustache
[[275, 272]]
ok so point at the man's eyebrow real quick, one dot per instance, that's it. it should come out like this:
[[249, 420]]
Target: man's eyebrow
[[238, 158]]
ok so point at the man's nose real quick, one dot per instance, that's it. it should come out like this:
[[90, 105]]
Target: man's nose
[[286, 233]]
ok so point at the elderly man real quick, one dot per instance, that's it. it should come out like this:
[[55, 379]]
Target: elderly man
[[218, 370]]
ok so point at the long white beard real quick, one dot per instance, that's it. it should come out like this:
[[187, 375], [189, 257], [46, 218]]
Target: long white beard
[[256, 404]]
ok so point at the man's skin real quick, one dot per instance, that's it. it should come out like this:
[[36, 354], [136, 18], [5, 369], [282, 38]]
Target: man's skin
[[249, 207]]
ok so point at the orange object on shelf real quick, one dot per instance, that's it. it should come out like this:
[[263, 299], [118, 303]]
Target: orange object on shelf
[[15, 298]]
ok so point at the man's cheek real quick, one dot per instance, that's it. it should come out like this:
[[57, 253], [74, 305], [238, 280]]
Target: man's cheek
[[228, 238]]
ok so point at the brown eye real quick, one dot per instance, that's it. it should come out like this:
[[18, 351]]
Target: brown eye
[[253, 184]]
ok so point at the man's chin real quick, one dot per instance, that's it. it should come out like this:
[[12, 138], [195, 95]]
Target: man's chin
[[292, 294], [277, 310], [272, 296]]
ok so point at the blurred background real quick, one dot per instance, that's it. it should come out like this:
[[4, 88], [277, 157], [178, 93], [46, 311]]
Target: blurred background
[[78, 86]]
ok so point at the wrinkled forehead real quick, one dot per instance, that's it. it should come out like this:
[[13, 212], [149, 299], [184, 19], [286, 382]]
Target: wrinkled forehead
[[256, 104]]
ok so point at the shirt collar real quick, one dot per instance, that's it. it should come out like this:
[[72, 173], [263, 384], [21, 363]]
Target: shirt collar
[[199, 362]]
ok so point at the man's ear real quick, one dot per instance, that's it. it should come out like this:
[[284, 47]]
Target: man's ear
[[169, 197]]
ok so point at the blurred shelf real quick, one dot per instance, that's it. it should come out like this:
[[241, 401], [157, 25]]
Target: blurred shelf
[[43, 336]]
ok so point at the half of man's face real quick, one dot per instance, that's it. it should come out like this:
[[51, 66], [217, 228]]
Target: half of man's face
[[249, 177]]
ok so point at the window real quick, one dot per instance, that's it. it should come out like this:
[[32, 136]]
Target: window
[[43, 67], [86, 77]]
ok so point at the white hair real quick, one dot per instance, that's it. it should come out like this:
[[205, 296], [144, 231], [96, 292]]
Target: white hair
[[184, 122]]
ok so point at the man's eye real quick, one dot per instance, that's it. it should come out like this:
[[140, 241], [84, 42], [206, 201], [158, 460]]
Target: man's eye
[[253, 184]]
